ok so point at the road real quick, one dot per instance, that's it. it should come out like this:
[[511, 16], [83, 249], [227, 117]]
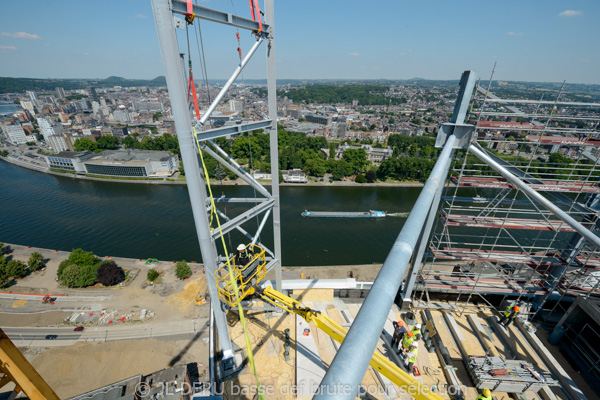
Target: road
[[36, 337], [62, 303]]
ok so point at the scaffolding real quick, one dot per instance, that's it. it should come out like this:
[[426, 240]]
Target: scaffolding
[[491, 235]]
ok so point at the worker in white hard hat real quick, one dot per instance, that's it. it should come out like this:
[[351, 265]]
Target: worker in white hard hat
[[412, 355], [243, 255], [416, 330]]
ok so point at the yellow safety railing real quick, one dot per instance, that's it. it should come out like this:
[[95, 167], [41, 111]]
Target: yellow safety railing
[[246, 276]]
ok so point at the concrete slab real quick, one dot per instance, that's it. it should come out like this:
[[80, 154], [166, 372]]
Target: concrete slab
[[309, 367]]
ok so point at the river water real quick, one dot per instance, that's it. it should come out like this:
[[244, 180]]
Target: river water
[[8, 108], [142, 221]]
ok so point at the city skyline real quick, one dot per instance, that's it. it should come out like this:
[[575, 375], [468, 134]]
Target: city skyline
[[334, 40]]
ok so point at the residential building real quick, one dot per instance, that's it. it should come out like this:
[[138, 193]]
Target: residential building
[[58, 143], [15, 134], [295, 175], [374, 154]]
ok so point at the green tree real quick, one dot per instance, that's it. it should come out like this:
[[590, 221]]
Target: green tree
[[130, 143], [182, 270], [70, 276], [88, 275], [1, 248], [85, 144], [15, 268], [360, 178], [152, 275], [391, 121], [220, 173], [82, 257], [370, 176], [356, 158], [35, 261], [107, 142], [62, 267]]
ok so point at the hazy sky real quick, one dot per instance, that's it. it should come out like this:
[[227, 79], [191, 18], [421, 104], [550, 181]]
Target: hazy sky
[[532, 40]]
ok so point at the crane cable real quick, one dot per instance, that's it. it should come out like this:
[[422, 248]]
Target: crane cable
[[232, 280]]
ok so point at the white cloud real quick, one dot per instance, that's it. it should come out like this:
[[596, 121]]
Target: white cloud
[[570, 13], [7, 48], [584, 60], [141, 16], [514, 33], [354, 54], [21, 35]]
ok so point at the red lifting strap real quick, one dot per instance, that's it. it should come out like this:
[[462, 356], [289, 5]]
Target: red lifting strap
[[254, 9], [189, 16], [192, 85]]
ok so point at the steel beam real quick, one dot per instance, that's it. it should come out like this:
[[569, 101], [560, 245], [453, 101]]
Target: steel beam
[[232, 130], [243, 217], [243, 232], [346, 371], [273, 142], [163, 19], [228, 84], [180, 7], [460, 112], [235, 168], [483, 156]]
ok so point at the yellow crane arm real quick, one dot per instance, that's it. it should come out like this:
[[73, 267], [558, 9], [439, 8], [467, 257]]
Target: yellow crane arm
[[17, 369], [379, 362]]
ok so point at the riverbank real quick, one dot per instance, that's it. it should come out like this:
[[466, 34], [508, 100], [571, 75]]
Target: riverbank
[[236, 182]]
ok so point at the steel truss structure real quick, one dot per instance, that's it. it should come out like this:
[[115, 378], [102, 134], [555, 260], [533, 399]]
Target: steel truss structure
[[519, 215], [196, 135]]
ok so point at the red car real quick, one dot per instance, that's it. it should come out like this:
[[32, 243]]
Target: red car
[[78, 329]]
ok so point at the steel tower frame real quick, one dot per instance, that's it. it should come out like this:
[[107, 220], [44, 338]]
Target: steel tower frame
[[166, 20]]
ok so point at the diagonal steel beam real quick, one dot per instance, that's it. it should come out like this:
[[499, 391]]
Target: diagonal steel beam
[[243, 217]]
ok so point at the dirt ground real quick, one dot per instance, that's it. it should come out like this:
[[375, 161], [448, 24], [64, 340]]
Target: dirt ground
[[109, 362]]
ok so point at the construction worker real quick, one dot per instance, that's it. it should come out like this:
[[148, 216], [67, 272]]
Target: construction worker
[[243, 255], [487, 395], [416, 330], [409, 337], [509, 315], [412, 355], [399, 331]]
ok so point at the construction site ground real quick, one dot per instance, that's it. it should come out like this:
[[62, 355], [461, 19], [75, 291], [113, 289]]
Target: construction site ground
[[289, 379]]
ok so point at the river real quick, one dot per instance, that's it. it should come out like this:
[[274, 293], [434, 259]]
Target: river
[[142, 221], [8, 108]]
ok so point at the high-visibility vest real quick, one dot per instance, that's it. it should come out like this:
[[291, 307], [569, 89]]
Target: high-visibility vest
[[510, 313], [407, 341], [412, 355], [482, 397], [416, 331]]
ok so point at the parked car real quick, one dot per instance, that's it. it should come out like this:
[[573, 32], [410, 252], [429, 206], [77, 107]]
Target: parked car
[[78, 329], [51, 337]]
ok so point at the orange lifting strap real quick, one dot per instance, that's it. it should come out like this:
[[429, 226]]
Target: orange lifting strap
[[192, 86]]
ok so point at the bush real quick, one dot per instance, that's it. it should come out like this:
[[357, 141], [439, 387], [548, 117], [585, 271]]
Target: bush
[[1, 247], [15, 268], [62, 266], [109, 273], [36, 261], [182, 270], [152, 275], [370, 175], [81, 257], [360, 178]]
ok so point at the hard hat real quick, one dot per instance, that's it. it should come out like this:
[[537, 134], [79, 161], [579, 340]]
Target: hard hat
[[418, 326], [486, 392], [415, 344], [241, 247], [410, 334], [517, 308], [400, 323]]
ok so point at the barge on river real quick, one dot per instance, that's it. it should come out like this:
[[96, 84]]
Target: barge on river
[[344, 214]]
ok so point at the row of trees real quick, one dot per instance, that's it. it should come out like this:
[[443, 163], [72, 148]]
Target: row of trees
[[15, 269], [108, 142], [83, 268], [365, 94]]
